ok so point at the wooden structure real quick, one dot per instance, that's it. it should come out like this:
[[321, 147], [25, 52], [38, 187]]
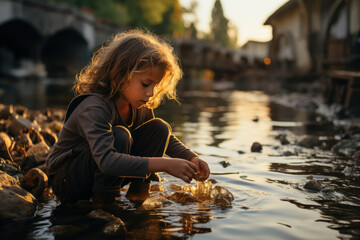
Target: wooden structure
[[343, 87]]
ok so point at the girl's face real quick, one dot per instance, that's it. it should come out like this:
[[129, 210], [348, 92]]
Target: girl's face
[[141, 86]]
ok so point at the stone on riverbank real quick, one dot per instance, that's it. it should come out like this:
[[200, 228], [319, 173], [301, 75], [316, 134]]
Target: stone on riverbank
[[15, 202]]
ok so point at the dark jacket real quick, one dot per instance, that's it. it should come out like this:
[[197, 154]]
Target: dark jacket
[[87, 127]]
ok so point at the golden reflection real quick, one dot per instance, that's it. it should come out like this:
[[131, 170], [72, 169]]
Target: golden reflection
[[188, 225]]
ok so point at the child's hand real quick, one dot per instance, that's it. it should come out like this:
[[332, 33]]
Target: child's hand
[[176, 167], [181, 168], [203, 170]]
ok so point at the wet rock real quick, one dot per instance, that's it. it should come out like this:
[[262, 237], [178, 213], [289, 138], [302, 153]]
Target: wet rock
[[225, 163], [288, 153], [222, 202], [15, 202], [157, 188], [183, 197], [219, 192], [35, 181], [240, 152], [115, 225], [101, 214], [347, 147], [282, 138], [356, 156], [65, 231], [313, 185], [256, 147], [310, 142], [213, 181], [176, 187], [154, 201]]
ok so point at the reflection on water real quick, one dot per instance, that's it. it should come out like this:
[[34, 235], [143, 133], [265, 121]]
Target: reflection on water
[[270, 199]]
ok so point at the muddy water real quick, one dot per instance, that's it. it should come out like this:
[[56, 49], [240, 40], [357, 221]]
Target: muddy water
[[270, 199]]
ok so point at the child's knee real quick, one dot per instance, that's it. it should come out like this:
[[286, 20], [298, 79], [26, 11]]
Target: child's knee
[[161, 126], [123, 139]]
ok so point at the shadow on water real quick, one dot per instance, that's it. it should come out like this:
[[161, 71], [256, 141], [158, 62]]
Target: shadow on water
[[270, 199]]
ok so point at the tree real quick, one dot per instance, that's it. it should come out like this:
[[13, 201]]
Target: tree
[[219, 26]]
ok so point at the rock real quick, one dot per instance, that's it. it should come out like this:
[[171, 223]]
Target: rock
[[310, 142], [224, 163], [256, 147], [157, 188], [18, 125], [356, 156], [213, 181], [35, 181], [222, 202], [282, 138], [219, 192], [176, 187], [313, 185], [15, 202], [40, 151], [7, 112], [347, 147], [5, 145], [115, 225], [154, 201], [183, 197]]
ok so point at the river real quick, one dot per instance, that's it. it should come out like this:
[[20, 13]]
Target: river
[[268, 186]]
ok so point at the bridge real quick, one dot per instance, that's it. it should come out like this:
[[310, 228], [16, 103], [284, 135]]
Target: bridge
[[52, 40]]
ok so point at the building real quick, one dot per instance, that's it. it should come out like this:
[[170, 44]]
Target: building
[[316, 36]]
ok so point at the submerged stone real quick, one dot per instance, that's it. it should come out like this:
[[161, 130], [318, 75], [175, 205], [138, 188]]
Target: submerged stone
[[115, 227], [183, 197], [256, 147], [154, 201], [313, 185]]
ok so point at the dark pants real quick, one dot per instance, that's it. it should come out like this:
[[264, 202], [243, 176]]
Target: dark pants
[[79, 178]]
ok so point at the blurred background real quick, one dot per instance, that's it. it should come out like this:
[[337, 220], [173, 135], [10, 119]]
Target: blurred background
[[264, 45]]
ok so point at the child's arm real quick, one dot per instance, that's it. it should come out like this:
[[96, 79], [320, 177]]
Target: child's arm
[[176, 167]]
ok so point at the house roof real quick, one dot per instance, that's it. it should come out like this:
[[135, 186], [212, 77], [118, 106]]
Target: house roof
[[291, 4]]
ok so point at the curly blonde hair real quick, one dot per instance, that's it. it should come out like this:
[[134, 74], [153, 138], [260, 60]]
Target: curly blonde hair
[[113, 65]]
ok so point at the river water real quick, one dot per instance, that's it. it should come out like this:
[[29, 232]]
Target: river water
[[270, 199]]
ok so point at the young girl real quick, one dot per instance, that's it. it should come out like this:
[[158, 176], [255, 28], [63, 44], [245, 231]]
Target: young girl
[[110, 136]]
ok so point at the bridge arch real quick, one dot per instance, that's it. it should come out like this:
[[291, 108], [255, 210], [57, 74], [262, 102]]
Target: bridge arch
[[65, 52], [20, 44]]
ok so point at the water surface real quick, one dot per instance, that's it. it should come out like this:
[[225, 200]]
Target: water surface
[[270, 199]]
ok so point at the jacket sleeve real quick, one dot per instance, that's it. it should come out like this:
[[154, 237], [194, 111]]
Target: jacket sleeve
[[95, 126], [177, 149]]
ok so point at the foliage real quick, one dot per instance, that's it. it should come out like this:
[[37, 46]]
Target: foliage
[[161, 16], [190, 13], [219, 26]]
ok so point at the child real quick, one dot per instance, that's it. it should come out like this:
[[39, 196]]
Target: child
[[110, 136]]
